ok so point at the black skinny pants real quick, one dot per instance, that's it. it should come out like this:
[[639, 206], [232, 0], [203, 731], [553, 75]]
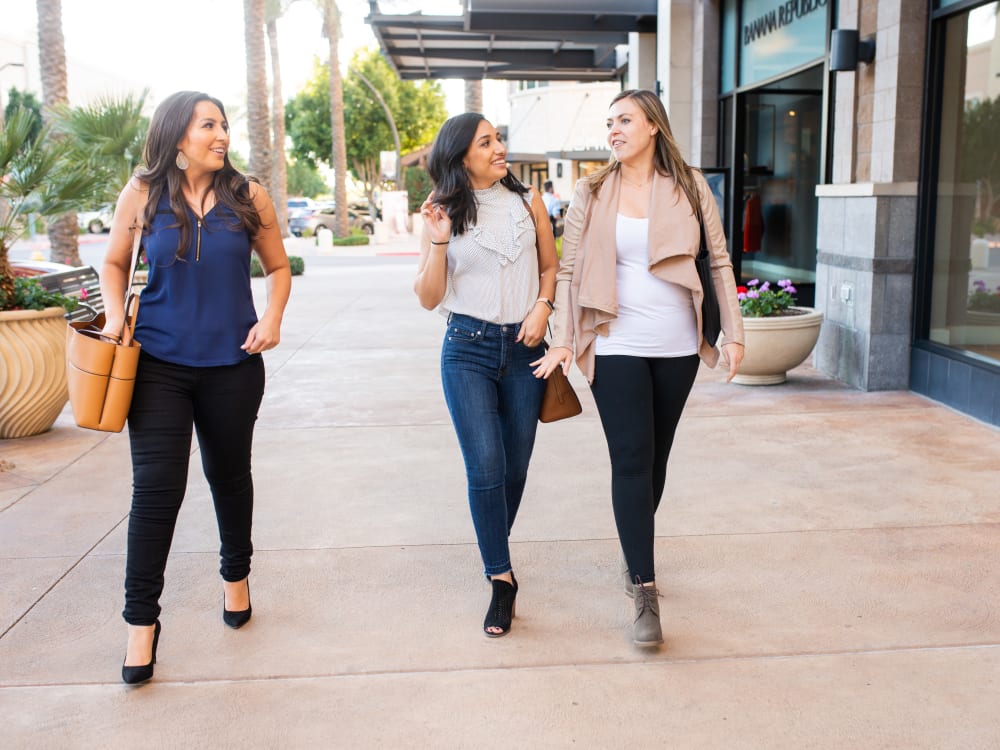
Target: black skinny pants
[[221, 403], [640, 403]]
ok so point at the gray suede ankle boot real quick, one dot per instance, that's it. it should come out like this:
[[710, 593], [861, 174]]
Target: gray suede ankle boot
[[646, 629], [629, 586]]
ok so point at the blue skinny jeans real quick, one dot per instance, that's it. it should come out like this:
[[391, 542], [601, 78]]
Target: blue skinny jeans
[[494, 400]]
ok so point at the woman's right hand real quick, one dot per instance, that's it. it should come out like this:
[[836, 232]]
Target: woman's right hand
[[556, 356], [436, 220]]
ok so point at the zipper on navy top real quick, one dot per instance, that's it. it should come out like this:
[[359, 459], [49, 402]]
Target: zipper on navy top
[[197, 250]]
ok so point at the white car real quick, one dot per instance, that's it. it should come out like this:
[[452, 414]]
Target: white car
[[300, 206], [97, 221]]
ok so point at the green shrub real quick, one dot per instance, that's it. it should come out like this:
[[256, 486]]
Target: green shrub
[[30, 295], [295, 263], [984, 226], [352, 239]]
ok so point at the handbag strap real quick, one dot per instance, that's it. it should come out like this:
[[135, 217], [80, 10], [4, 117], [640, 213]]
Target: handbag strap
[[131, 299]]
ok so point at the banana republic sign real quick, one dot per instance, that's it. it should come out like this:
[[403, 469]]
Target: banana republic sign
[[780, 36], [784, 15]]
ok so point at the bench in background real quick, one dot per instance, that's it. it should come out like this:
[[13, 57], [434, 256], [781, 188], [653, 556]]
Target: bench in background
[[82, 283]]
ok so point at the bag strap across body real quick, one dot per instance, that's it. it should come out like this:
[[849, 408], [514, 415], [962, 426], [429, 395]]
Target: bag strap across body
[[127, 332]]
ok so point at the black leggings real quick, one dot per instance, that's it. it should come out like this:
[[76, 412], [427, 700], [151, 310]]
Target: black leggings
[[640, 402], [221, 403]]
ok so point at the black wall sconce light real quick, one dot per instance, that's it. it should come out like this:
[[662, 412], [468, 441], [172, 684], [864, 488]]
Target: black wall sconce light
[[847, 50]]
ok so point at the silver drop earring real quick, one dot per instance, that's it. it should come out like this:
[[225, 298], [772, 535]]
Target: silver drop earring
[[182, 161]]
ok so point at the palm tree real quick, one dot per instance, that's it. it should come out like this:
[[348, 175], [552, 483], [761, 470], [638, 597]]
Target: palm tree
[[331, 30], [107, 137], [258, 120], [63, 232], [474, 95], [40, 179], [274, 9]]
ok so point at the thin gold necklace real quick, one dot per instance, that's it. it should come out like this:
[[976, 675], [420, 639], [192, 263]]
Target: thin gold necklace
[[638, 185]]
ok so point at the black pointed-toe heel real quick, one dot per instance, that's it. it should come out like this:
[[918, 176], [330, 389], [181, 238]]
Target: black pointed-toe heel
[[501, 610], [144, 672], [237, 620]]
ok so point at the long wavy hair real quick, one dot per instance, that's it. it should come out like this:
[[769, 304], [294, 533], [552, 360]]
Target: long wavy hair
[[166, 129], [667, 159], [452, 187]]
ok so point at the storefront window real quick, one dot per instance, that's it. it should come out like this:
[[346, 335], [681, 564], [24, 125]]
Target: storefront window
[[965, 295], [727, 55]]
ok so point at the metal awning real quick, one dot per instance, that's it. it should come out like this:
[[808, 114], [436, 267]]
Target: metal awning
[[512, 39], [518, 157], [581, 154]]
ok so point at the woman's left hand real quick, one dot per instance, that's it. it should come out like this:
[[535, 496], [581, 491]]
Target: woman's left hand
[[733, 354], [533, 326], [264, 335]]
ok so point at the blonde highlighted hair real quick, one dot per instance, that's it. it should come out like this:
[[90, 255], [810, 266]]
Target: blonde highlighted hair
[[667, 159]]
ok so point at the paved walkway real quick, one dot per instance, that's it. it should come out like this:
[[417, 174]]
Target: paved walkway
[[828, 561]]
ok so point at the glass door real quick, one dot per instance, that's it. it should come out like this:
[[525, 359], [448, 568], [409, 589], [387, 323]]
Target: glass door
[[782, 151]]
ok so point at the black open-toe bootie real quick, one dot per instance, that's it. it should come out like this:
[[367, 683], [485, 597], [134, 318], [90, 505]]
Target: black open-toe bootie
[[144, 672], [501, 610]]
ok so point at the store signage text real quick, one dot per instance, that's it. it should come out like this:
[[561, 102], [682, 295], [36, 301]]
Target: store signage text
[[783, 15]]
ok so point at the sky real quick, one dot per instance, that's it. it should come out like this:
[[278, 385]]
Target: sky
[[195, 44]]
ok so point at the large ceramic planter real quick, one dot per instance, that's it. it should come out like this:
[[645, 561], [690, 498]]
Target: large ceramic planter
[[777, 344], [32, 370]]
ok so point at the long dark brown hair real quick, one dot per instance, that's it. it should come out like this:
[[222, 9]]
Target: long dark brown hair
[[452, 188], [166, 129], [667, 159]]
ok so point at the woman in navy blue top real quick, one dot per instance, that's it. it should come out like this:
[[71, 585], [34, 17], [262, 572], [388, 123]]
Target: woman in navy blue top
[[200, 365]]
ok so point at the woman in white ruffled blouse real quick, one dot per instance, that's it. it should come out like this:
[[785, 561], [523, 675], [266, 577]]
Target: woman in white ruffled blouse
[[481, 265]]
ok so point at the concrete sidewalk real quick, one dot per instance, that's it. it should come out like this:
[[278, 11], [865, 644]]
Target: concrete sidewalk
[[828, 561]]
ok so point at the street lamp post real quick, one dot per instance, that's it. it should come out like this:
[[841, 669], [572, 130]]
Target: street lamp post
[[389, 117]]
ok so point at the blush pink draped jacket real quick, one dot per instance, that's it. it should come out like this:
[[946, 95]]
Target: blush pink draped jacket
[[586, 285]]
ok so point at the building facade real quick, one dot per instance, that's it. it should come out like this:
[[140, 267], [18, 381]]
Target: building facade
[[864, 165]]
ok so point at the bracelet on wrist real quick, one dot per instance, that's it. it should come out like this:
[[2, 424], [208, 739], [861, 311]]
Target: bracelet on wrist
[[548, 303], [446, 242]]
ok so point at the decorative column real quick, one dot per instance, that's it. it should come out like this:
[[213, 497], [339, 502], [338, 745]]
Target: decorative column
[[866, 236]]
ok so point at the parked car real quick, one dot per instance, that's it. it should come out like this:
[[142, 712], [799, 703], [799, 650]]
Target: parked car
[[97, 221], [324, 216], [298, 206]]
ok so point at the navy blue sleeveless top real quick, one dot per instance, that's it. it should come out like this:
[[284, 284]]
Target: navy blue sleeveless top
[[196, 309]]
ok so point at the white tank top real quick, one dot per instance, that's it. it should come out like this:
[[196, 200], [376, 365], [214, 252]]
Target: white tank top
[[493, 267], [656, 318]]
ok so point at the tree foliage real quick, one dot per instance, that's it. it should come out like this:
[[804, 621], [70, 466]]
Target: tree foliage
[[108, 137], [980, 160], [305, 180], [40, 178], [418, 109], [418, 185], [16, 100]]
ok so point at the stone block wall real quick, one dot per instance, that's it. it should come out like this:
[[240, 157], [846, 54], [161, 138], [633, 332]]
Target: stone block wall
[[866, 233]]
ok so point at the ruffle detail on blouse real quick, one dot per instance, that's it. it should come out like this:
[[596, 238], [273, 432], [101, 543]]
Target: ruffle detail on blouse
[[502, 238]]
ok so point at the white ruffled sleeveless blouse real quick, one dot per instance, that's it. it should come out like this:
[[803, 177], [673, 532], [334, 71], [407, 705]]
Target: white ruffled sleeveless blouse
[[493, 267]]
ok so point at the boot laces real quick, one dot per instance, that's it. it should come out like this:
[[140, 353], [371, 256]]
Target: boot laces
[[645, 597]]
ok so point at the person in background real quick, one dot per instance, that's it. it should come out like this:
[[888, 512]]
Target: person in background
[[485, 266], [200, 365], [553, 205], [628, 300]]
